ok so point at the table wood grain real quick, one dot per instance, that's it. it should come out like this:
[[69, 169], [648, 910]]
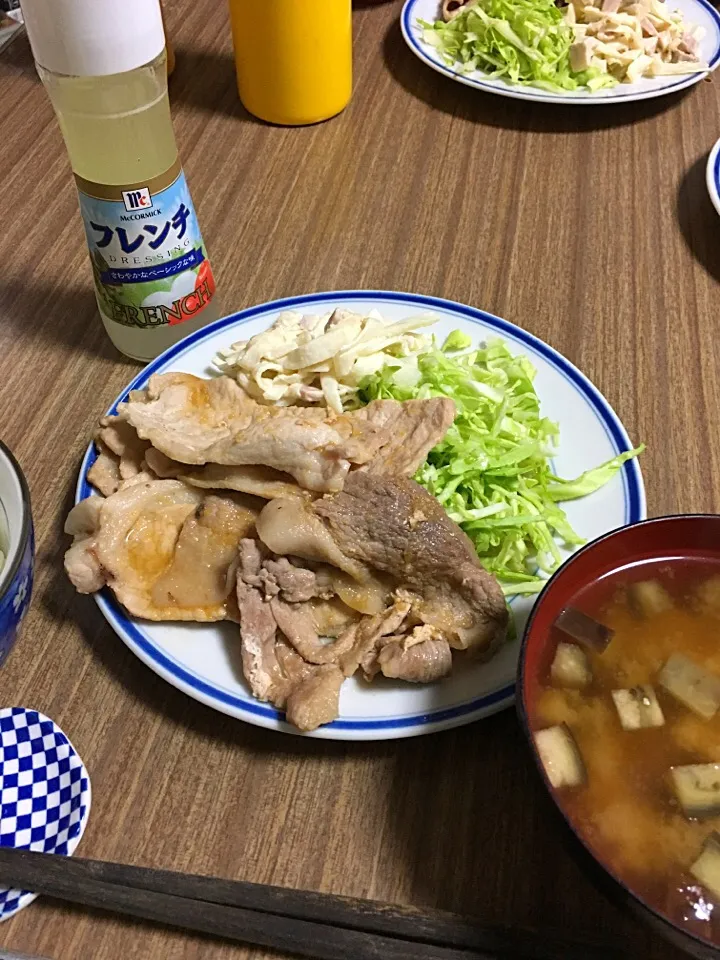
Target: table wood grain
[[591, 228]]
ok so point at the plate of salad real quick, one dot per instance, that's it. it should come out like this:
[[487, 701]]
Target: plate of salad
[[534, 464], [567, 51]]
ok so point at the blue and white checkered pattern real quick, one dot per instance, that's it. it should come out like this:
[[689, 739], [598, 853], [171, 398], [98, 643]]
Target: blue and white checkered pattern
[[44, 792]]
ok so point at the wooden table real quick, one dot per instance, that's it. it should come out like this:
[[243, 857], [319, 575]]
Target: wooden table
[[590, 228]]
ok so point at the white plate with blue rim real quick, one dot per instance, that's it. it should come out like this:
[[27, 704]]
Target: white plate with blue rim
[[44, 793], [698, 13], [713, 176], [201, 659]]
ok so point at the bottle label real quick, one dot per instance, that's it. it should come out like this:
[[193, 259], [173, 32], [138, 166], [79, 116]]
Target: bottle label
[[148, 259]]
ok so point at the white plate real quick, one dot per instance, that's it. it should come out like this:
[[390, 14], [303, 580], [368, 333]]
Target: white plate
[[713, 175], [696, 13], [203, 659]]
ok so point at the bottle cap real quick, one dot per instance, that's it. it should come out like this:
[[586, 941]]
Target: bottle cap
[[93, 38]]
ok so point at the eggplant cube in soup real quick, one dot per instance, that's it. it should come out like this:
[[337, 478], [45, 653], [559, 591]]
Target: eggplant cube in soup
[[560, 756], [638, 708], [571, 667], [649, 598], [583, 629], [708, 595], [694, 686], [697, 788], [706, 868]]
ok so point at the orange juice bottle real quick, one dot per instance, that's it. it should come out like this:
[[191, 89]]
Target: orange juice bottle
[[293, 58]]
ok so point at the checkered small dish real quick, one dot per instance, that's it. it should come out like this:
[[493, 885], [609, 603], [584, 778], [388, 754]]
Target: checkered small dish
[[44, 792]]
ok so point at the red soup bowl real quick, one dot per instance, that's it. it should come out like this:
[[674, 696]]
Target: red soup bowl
[[689, 536]]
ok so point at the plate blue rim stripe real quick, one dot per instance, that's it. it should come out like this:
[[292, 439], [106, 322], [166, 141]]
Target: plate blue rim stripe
[[713, 177], [531, 93], [208, 693]]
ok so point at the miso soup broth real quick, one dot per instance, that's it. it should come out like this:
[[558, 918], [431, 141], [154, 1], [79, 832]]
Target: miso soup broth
[[631, 732]]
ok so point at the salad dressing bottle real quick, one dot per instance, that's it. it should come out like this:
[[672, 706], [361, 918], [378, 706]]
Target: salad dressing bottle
[[103, 64]]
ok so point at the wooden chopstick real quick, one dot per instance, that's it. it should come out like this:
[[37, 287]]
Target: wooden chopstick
[[316, 925]]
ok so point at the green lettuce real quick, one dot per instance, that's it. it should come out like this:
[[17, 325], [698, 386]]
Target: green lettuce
[[521, 41], [492, 472]]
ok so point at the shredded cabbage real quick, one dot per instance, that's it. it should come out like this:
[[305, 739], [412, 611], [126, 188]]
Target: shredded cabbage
[[492, 472], [521, 41]]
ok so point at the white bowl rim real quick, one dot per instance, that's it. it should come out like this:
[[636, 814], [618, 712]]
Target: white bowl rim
[[17, 543]]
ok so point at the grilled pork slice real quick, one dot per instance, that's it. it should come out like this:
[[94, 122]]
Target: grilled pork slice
[[196, 421]]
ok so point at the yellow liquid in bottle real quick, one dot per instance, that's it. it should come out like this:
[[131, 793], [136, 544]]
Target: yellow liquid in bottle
[[293, 58], [118, 131]]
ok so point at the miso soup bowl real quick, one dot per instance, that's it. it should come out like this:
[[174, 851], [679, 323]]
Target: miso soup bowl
[[695, 535], [16, 575]]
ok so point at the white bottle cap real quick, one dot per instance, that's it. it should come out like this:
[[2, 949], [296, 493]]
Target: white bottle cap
[[93, 38]]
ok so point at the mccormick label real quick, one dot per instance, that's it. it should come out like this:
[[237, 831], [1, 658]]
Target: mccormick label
[[147, 254]]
